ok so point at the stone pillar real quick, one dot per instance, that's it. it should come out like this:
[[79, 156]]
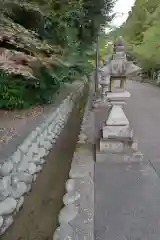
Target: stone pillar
[[123, 83]]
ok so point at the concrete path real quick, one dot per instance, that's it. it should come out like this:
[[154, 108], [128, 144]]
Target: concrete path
[[127, 194], [127, 202], [143, 112]]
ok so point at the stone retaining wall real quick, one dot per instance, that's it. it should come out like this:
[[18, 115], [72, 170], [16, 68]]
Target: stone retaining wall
[[19, 171]]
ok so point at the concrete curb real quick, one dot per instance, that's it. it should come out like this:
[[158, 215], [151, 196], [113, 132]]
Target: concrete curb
[[76, 219], [19, 171]]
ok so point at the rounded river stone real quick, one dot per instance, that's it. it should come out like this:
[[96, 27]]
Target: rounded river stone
[[7, 206]]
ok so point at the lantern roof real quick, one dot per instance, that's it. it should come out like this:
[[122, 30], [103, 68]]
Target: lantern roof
[[119, 45], [119, 42]]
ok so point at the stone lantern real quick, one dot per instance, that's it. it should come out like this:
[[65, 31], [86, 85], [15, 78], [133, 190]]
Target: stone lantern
[[104, 80], [119, 45], [118, 65], [117, 68]]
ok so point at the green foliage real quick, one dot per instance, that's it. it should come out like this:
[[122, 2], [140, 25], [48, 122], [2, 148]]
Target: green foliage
[[148, 52], [104, 49], [142, 34], [137, 22], [16, 92]]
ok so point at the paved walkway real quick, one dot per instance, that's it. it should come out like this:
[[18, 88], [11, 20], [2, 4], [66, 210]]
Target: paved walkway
[[143, 112], [127, 194], [127, 202]]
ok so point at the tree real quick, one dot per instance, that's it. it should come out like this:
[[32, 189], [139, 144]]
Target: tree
[[141, 31]]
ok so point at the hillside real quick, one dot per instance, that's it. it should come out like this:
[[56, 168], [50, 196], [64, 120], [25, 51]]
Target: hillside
[[44, 44]]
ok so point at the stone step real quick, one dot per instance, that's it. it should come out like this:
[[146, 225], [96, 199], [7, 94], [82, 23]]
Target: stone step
[[119, 158], [117, 117], [118, 96], [117, 103], [109, 146], [122, 133]]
